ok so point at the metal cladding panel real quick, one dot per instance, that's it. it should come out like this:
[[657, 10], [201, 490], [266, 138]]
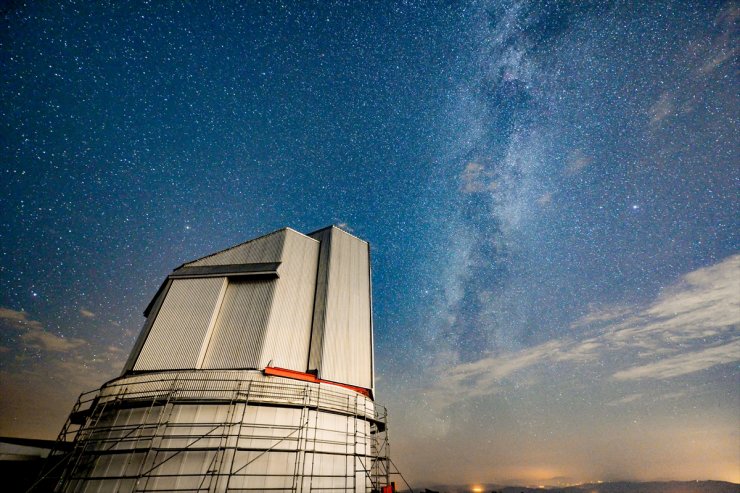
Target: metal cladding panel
[[240, 329], [343, 313], [266, 248], [175, 340], [288, 334], [319, 311]]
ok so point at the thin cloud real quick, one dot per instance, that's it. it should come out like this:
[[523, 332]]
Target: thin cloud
[[672, 395], [701, 57], [577, 161], [721, 57], [625, 400], [662, 109], [484, 377], [487, 376], [15, 319], [702, 306], [60, 381], [46, 341], [476, 178], [603, 314], [545, 199], [63, 367], [684, 364], [33, 334], [722, 48], [87, 313], [579, 352], [346, 227]]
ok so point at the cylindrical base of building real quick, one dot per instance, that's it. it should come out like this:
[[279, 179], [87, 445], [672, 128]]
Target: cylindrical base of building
[[219, 431]]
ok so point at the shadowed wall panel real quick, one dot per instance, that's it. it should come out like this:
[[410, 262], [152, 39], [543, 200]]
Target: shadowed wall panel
[[241, 325], [266, 248], [177, 335], [319, 311]]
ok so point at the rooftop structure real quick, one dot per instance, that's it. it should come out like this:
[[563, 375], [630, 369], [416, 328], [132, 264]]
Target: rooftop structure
[[253, 372]]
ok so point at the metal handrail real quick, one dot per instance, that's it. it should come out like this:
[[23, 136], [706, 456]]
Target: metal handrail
[[191, 385]]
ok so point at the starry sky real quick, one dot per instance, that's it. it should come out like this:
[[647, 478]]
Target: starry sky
[[550, 190]]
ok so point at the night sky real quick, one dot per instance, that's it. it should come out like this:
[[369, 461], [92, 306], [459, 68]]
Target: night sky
[[550, 189]]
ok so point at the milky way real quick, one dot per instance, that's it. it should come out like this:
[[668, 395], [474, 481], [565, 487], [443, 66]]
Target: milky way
[[550, 190]]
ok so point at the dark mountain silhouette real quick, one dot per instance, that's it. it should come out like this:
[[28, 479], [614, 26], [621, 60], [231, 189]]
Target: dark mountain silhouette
[[615, 487]]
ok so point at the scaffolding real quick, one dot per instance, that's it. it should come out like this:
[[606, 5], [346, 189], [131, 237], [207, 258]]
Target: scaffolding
[[226, 431]]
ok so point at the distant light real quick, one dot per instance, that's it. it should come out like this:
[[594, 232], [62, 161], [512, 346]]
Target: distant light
[[635, 207], [478, 489]]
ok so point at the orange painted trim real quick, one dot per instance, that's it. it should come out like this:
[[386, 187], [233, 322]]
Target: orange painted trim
[[308, 377], [295, 375], [359, 390]]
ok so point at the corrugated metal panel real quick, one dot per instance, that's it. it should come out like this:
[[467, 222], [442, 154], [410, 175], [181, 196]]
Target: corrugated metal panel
[[266, 248], [239, 332], [342, 324], [316, 315], [319, 311], [268, 322], [176, 337], [151, 314], [287, 339]]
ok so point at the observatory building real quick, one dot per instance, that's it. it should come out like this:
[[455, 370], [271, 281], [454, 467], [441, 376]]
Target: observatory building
[[253, 372]]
